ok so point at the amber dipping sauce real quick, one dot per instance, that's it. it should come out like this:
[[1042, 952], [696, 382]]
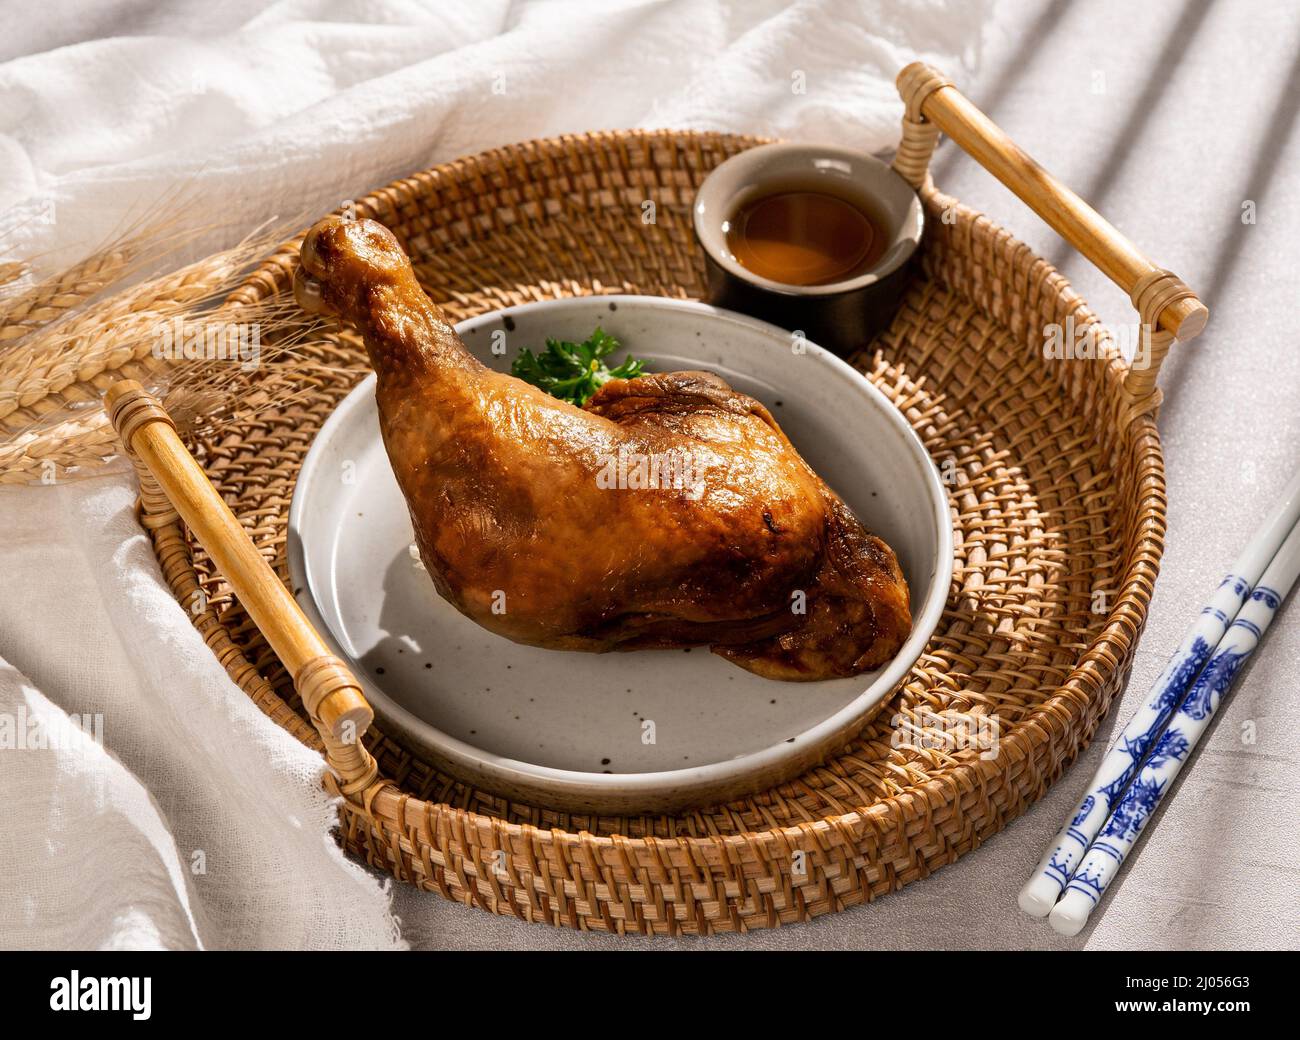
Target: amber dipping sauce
[[804, 238]]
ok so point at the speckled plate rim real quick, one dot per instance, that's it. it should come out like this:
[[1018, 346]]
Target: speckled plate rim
[[664, 790]]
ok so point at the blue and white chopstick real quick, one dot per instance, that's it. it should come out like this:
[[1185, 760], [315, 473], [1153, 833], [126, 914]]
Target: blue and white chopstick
[[1121, 763], [1175, 746]]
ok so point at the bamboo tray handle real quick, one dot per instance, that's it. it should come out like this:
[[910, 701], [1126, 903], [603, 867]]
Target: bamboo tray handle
[[1167, 307], [169, 474]]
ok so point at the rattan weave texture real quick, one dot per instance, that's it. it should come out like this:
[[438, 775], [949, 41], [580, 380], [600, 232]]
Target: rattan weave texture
[[1057, 493]]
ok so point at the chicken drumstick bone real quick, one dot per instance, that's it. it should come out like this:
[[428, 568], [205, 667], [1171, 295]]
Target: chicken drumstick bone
[[742, 547]]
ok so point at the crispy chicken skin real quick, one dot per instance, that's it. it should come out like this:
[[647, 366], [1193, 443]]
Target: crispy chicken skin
[[534, 518]]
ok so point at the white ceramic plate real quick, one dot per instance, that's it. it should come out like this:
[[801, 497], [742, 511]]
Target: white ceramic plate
[[570, 730]]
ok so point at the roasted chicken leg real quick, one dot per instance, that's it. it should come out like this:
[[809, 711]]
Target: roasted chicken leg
[[670, 511]]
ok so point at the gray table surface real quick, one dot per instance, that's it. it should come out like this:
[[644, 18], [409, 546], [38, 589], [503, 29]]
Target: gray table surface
[[1167, 117]]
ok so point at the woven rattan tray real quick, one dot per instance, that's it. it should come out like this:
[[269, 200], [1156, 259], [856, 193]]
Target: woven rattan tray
[[1057, 495]]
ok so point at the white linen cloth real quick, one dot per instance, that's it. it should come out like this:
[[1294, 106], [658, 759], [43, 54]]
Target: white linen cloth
[[198, 822], [285, 109]]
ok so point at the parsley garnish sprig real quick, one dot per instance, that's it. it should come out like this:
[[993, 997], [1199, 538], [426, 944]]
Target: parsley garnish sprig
[[573, 372]]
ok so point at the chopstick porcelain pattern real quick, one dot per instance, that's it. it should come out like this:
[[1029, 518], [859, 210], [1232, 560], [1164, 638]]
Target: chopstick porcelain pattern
[[1124, 827], [1122, 761], [1107, 788]]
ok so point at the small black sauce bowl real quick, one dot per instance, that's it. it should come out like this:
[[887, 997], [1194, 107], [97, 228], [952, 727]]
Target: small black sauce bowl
[[840, 316]]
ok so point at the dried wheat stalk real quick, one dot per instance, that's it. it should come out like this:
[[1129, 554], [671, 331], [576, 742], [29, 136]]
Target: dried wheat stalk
[[27, 311], [108, 333], [69, 348], [127, 251], [11, 271]]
